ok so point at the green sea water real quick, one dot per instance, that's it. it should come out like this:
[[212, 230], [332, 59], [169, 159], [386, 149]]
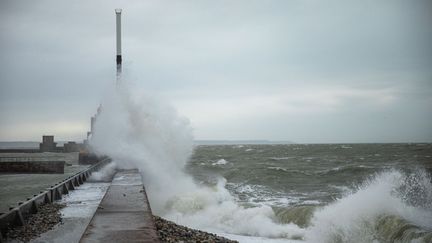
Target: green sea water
[[316, 185]]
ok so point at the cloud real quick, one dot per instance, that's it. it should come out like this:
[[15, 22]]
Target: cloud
[[237, 69]]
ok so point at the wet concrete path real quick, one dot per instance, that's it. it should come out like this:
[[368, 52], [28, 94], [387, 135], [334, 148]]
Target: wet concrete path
[[124, 215], [81, 204]]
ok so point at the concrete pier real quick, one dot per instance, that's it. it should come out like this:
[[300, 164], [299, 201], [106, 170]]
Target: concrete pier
[[124, 215]]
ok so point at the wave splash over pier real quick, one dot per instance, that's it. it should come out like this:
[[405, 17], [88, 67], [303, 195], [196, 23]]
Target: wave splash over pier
[[146, 133]]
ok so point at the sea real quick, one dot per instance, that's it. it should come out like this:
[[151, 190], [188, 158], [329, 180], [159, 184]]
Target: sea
[[321, 192], [372, 193]]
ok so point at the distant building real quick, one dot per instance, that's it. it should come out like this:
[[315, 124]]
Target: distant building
[[71, 147], [92, 123], [48, 144]]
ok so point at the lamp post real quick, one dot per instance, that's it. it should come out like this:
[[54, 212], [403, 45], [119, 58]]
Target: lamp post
[[119, 55]]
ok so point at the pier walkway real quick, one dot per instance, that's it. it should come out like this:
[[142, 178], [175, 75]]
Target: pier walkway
[[124, 215]]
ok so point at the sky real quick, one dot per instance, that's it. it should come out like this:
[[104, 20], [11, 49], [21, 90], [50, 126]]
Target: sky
[[293, 70]]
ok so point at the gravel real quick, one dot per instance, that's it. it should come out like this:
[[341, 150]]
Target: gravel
[[170, 232], [45, 219]]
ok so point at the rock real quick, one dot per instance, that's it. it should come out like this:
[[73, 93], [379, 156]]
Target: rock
[[170, 232], [45, 219]]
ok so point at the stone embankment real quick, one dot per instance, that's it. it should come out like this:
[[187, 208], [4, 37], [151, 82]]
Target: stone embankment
[[170, 232]]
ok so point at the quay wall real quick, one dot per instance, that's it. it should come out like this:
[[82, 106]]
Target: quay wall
[[18, 150], [50, 167]]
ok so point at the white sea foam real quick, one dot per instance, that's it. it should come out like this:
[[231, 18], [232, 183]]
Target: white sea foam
[[343, 189], [310, 202], [220, 162], [260, 195], [248, 239], [282, 158], [277, 168]]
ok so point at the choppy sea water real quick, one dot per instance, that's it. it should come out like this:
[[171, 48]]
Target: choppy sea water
[[310, 193], [321, 193]]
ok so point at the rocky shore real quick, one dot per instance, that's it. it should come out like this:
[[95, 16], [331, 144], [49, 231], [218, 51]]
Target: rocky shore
[[45, 219], [170, 232]]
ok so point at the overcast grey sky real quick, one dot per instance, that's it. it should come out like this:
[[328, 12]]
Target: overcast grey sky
[[300, 70]]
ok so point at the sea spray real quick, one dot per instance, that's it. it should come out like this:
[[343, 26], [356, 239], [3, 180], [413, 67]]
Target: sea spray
[[145, 133], [215, 209], [105, 174], [377, 212]]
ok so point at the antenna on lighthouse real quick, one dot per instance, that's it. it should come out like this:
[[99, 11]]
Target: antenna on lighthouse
[[119, 55]]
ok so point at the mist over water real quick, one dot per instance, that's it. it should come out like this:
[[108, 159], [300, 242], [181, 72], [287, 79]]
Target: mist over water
[[314, 193]]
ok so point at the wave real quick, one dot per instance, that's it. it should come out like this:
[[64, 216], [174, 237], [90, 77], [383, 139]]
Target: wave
[[383, 209], [282, 158], [346, 169], [391, 228], [392, 206], [300, 215], [220, 162], [259, 195], [151, 136], [291, 171], [349, 169], [216, 210]]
